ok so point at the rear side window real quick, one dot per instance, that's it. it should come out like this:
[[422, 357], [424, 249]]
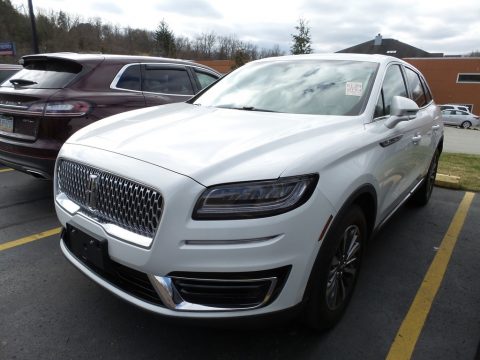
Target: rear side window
[[204, 79], [428, 94], [5, 74], [418, 94], [46, 73], [130, 78], [167, 81], [393, 85]]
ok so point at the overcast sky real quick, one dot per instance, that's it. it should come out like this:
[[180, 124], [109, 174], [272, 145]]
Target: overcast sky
[[448, 26]]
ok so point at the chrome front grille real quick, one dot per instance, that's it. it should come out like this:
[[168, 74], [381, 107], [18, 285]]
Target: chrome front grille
[[111, 199]]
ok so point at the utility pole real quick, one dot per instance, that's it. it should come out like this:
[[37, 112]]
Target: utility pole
[[34, 28]]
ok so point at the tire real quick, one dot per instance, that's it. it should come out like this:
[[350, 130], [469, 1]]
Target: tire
[[466, 124], [336, 270], [423, 193]]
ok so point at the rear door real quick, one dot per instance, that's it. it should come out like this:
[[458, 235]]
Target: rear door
[[166, 83], [426, 128]]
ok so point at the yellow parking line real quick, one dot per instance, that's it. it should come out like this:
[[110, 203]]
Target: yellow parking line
[[407, 336], [5, 170], [27, 239]]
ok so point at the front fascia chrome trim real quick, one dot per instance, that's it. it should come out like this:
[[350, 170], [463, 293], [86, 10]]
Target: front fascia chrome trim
[[230, 242], [114, 230], [172, 299]]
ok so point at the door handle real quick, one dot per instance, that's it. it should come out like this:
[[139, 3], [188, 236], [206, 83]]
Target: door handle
[[436, 127], [416, 139]]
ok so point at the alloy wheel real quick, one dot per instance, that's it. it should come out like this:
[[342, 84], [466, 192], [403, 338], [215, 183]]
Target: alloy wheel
[[343, 268]]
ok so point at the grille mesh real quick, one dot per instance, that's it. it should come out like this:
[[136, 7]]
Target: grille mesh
[[118, 201]]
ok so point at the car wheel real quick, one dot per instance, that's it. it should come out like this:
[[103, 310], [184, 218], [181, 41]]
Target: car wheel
[[422, 195], [336, 270], [466, 124]]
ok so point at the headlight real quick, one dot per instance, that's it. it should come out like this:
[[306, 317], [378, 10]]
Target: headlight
[[254, 199]]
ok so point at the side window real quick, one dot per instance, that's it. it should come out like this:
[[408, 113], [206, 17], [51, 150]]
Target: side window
[[428, 94], [204, 79], [130, 78], [418, 94], [167, 81], [393, 85]]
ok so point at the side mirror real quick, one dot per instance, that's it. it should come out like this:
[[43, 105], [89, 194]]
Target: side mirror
[[401, 109]]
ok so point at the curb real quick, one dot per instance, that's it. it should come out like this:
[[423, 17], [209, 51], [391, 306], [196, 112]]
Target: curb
[[447, 181]]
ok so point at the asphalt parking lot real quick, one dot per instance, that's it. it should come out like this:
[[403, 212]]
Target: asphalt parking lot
[[50, 311]]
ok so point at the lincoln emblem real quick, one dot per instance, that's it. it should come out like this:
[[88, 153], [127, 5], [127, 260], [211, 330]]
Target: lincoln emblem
[[91, 191]]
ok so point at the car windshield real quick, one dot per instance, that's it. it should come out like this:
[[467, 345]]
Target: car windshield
[[317, 87], [44, 74]]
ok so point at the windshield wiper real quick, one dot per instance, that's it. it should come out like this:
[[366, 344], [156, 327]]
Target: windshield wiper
[[252, 108], [246, 108], [22, 82]]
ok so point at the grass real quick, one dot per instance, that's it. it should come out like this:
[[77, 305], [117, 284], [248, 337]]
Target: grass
[[467, 167]]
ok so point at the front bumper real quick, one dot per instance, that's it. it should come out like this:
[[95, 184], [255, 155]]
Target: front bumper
[[203, 250]]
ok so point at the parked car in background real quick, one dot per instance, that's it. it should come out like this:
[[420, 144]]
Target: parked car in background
[[255, 197], [7, 70], [56, 94], [460, 118], [455, 107]]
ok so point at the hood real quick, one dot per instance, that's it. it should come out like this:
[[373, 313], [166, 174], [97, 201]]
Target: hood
[[213, 145]]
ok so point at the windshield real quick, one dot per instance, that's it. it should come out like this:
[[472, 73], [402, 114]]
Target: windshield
[[44, 74], [318, 87]]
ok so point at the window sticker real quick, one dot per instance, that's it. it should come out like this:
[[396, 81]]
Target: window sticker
[[353, 88]]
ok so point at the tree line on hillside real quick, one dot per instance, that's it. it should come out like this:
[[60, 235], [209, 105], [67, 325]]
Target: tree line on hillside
[[61, 31]]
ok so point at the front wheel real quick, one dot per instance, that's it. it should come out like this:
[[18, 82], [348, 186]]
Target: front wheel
[[466, 124], [336, 270]]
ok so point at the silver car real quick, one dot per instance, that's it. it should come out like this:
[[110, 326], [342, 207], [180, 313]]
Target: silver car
[[460, 118]]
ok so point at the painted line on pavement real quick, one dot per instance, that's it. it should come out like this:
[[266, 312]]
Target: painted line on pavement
[[412, 325], [28, 239], [5, 170]]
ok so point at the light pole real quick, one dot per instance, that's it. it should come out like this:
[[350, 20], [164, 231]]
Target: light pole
[[34, 28]]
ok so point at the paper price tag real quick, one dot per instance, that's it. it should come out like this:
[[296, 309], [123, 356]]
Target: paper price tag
[[353, 88]]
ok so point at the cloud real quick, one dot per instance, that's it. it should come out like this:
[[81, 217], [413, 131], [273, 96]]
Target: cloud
[[195, 8], [107, 7]]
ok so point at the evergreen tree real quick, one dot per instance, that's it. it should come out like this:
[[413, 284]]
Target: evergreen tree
[[302, 43], [165, 40]]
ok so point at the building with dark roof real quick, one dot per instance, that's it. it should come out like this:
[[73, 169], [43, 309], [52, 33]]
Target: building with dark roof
[[390, 47], [452, 80]]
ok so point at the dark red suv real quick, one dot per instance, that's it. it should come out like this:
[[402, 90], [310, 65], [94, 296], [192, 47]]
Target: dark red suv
[[54, 95]]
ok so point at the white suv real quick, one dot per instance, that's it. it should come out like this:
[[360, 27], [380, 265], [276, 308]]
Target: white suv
[[254, 197]]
